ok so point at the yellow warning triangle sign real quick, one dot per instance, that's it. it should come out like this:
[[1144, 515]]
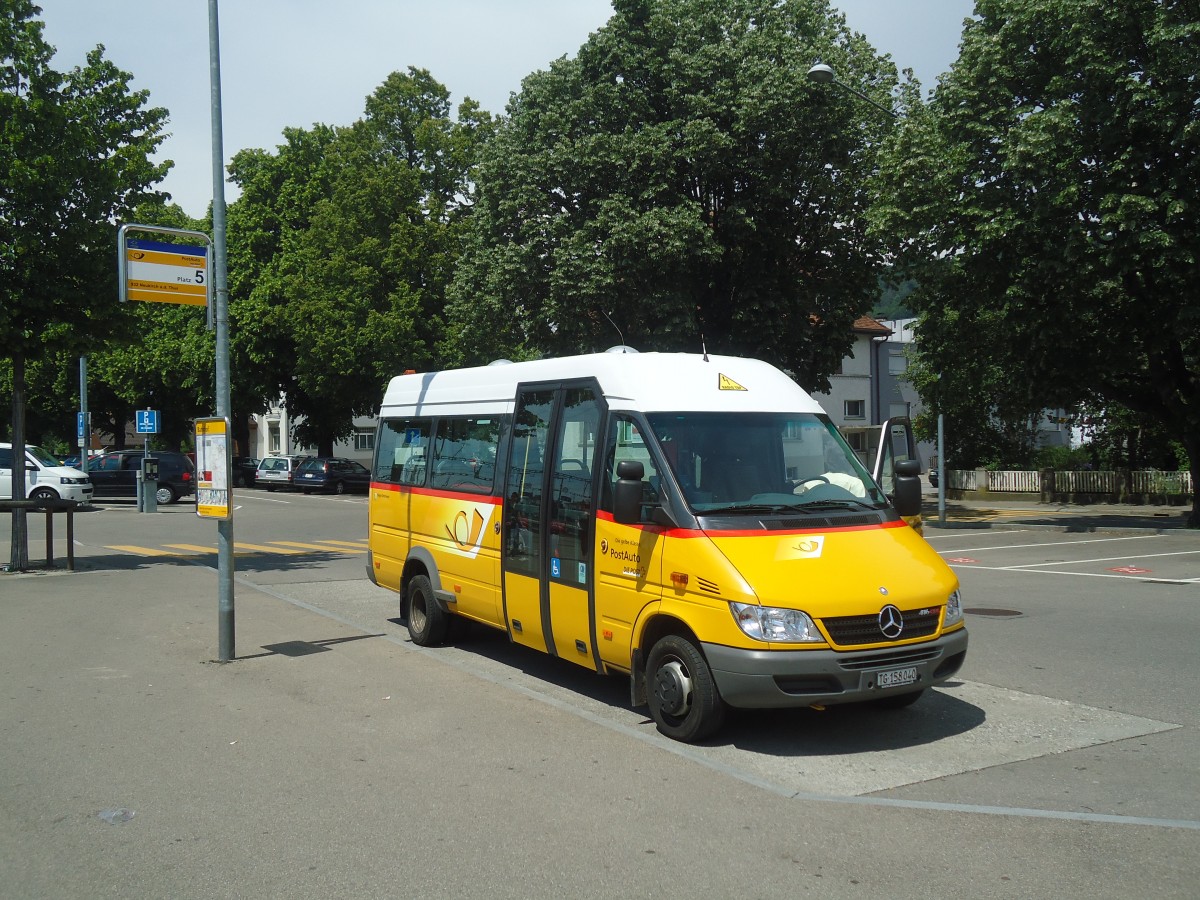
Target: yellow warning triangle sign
[[728, 384]]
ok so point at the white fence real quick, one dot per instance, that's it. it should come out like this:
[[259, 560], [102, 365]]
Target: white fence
[[1152, 482]]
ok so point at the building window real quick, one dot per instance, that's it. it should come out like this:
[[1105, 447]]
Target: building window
[[364, 441], [897, 363], [856, 409], [273, 442]]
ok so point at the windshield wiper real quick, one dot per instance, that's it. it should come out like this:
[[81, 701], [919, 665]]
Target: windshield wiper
[[838, 504], [750, 508]]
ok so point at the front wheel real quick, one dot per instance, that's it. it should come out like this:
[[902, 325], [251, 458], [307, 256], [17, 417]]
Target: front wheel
[[43, 493], [683, 696], [427, 622]]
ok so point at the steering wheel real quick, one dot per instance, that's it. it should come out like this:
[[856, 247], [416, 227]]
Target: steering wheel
[[811, 478]]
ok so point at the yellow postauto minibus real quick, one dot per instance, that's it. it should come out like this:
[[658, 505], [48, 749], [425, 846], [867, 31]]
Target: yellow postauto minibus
[[693, 522]]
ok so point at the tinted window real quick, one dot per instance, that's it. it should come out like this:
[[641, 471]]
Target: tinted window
[[464, 454], [401, 453]]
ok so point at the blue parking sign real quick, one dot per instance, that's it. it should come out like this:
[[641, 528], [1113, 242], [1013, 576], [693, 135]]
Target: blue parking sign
[[147, 421]]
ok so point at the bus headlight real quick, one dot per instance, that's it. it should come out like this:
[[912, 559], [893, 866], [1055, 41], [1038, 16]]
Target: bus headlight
[[770, 623], [954, 611]]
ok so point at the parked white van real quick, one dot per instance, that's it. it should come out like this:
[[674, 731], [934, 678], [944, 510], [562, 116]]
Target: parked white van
[[44, 477]]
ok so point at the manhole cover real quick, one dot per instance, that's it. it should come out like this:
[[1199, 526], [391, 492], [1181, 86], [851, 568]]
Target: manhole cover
[[994, 613]]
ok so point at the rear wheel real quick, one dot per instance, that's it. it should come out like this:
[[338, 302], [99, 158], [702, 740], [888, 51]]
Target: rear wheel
[[427, 623], [682, 693], [339, 487], [165, 494]]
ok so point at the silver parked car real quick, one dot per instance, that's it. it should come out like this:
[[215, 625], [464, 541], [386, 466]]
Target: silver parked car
[[277, 471]]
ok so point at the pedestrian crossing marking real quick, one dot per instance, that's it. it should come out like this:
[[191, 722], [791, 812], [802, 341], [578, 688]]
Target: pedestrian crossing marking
[[317, 547], [262, 548], [141, 551], [285, 548]]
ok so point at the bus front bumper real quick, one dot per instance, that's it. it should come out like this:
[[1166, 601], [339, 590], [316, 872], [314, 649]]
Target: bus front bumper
[[763, 679]]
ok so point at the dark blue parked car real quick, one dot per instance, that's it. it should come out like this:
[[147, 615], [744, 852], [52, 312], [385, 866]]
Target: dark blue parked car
[[331, 473]]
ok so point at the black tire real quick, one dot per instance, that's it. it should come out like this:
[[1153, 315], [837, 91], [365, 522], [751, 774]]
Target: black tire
[[898, 701], [165, 494], [307, 492], [43, 493], [427, 622], [271, 488], [683, 696], [339, 487]]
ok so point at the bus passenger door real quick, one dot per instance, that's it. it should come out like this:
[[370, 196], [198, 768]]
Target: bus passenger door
[[549, 519]]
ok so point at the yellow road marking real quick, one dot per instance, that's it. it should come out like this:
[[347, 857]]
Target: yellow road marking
[[263, 548], [357, 544], [317, 547], [195, 548], [141, 551]]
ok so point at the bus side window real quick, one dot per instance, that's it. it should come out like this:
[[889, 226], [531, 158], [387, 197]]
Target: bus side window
[[401, 450]]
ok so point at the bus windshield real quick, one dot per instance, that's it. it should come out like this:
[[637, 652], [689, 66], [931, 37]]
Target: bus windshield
[[727, 462]]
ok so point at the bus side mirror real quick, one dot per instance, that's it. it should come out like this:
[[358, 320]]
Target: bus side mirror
[[627, 494], [907, 496]]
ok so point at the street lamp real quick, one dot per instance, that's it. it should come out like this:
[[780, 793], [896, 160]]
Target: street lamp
[[823, 74]]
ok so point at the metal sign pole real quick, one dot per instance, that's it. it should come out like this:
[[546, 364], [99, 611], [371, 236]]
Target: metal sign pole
[[225, 616]]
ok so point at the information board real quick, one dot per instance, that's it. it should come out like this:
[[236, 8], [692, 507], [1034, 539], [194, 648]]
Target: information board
[[166, 273], [214, 499]]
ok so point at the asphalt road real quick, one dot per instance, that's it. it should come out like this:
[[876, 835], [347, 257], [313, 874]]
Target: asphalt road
[[1063, 761]]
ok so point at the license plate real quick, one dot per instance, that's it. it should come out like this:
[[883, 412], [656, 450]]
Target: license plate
[[896, 677]]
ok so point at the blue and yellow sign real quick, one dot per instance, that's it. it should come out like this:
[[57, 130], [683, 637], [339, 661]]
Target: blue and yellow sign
[[166, 273]]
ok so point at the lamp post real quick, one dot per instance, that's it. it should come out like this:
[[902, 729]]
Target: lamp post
[[823, 74]]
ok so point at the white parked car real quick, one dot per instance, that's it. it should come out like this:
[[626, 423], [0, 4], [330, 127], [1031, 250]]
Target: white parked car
[[44, 477]]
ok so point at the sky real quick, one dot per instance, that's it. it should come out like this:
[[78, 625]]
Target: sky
[[293, 63]]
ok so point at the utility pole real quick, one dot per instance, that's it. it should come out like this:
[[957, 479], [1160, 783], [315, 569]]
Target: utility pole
[[225, 612]]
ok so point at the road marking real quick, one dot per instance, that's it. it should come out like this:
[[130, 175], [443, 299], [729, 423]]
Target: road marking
[[318, 547], [196, 548], [263, 548], [141, 551], [1076, 562], [356, 544], [1140, 537], [1023, 571]]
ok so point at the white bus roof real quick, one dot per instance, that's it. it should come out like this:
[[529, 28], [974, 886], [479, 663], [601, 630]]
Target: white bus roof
[[647, 382]]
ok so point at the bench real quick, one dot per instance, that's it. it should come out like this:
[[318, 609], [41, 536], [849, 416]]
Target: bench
[[50, 507]]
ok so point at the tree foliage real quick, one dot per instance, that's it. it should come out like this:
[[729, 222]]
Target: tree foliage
[[342, 244], [74, 157], [684, 178], [75, 152], [1046, 200]]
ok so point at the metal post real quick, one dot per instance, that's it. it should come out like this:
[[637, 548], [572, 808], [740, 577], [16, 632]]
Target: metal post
[[941, 471], [83, 409], [225, 611]]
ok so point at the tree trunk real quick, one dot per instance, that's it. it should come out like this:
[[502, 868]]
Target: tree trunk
[[19, 558]]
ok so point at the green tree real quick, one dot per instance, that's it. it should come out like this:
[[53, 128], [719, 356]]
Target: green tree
[[349, 236], [684, 178], [1045, 201], [74, 157]]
